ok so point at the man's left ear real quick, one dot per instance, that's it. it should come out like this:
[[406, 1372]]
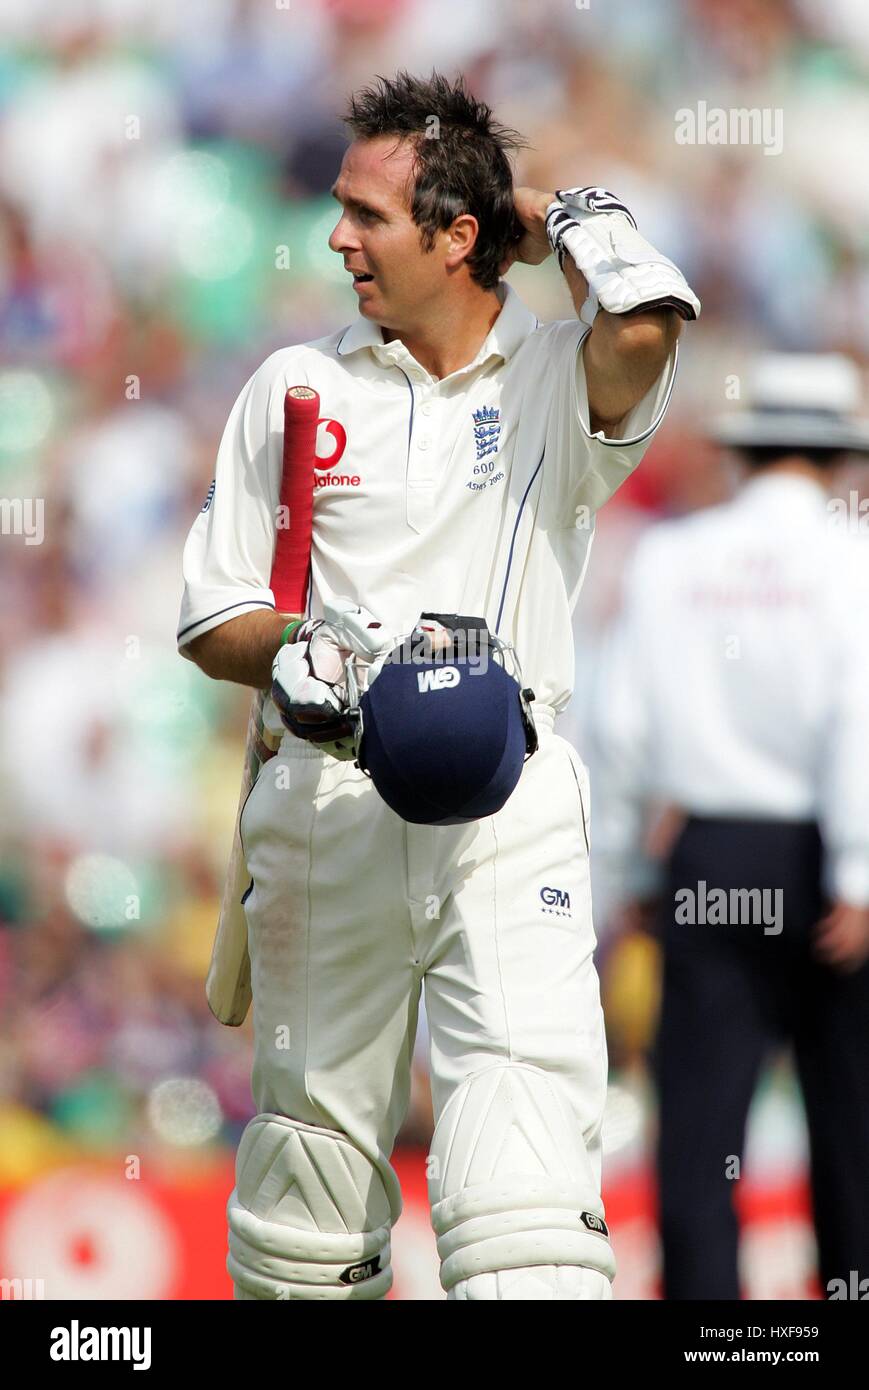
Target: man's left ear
[[463, 234]]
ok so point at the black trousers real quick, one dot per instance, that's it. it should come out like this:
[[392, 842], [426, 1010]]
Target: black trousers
[[733, 993]]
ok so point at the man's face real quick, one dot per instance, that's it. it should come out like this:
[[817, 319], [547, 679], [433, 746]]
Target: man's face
[[378, 238]]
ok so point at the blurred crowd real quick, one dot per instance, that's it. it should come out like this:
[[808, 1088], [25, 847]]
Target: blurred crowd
[[164, 212]]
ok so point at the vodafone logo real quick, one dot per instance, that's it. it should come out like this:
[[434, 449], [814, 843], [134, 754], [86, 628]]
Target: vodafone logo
[[331, 443], [332, 446]]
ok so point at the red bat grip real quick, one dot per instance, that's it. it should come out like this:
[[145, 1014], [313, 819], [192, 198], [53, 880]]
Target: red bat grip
[[292, 557]]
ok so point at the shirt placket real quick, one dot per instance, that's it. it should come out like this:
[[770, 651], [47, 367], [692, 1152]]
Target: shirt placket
[[423, 451]]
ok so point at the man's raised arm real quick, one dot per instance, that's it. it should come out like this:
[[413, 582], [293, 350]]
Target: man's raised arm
[[632, 297]]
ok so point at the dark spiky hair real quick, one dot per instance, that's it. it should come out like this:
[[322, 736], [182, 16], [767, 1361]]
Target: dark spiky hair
[[461, 162]]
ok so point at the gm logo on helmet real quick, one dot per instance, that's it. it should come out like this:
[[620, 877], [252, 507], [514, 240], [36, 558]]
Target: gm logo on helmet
[[439, 679]]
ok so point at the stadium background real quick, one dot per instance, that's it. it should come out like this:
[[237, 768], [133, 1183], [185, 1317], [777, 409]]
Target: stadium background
[[164, 210]]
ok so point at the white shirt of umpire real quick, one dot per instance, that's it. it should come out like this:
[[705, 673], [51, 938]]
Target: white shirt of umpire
[[736, 682], [473, 494]]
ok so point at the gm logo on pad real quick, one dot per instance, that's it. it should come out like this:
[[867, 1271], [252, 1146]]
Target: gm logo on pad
[[355, 1274], [440, 679], [592, 1222]]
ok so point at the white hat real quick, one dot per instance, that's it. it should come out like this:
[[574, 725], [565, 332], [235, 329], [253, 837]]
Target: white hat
[[799, 401]]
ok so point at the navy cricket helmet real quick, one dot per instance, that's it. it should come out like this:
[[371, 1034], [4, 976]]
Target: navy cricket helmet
[[443, 734]]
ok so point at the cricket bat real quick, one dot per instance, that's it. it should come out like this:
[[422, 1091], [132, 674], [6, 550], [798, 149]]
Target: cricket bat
[[228, 984]]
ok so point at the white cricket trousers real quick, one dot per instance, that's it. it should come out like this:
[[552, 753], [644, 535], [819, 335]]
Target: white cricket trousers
[[352, 910]]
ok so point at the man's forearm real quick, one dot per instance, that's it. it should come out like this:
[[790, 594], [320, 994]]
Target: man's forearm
[[624, 355], [242, 649]]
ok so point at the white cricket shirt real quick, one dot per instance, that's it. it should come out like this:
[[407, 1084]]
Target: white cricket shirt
[[473, 494], [736, 681]]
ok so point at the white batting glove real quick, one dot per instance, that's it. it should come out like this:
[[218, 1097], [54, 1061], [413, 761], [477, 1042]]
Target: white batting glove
[[624, 271], [309, 685]]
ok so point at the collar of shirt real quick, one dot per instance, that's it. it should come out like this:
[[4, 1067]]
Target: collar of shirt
[[793, 491], [510, 329]]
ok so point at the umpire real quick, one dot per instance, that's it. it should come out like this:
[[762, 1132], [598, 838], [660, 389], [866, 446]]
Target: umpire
[[735, 689]]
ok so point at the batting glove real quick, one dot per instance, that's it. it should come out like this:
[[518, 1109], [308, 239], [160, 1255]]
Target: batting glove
[[309, 682], [623, 271]]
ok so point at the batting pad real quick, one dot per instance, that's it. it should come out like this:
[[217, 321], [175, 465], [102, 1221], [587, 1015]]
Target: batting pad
[[536, 1283], [512, 1189], [309, 1216]]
